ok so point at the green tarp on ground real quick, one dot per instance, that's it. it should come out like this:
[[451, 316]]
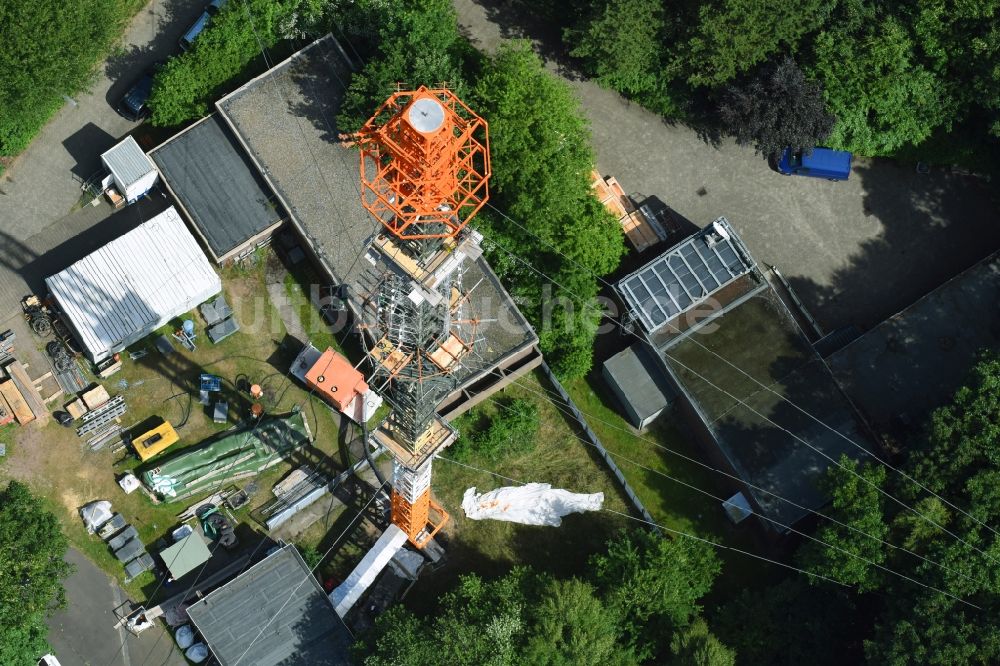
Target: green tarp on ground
[[241, 452]]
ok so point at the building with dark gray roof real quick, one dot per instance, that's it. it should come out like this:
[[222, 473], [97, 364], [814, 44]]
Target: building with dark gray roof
[[286, 121], [637, 381], [273, 613], [220, 190], [759, 397], [915, 360]]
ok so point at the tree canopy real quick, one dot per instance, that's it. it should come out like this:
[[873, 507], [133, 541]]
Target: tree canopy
[[542, 158], [51, 48], [190, 82], [32, 567], [776, 107], [957, 460], [892, 74], [529, 617], [855, 501], [881, 94], [416, 46], [789, 622]]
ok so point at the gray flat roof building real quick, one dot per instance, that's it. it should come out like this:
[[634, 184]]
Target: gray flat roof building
[[273, 613], [220, 189], [286, 121], [915, 360], [739, 366], [637, 381]]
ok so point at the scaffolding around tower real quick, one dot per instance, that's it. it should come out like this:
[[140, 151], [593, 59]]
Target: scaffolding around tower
[[424, 171]]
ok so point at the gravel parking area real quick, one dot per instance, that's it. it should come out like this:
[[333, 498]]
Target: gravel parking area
[[856, 251]]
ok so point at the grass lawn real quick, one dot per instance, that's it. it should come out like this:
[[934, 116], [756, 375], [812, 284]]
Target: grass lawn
[[490, 548], [670, 503], [57, 464]]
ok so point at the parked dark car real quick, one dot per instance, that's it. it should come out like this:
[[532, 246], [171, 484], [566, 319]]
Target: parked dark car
[[187, 40], [133, 104]]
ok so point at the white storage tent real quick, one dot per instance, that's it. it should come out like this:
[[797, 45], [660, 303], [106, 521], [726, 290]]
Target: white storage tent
[[124, 291], [132, 170]]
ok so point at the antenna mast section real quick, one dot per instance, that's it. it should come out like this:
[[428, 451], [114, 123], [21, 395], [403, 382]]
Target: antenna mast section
[[425, 168]]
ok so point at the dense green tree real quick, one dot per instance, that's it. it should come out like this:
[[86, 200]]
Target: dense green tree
[[955, 537], [50, 48], [418, 44], [621, 45], [965, 435], [960, 42], [695, 645], [570, 626], [788, 623], [189, 83], [524, 617], [958, 460], [478, 623], [542, 158], [731, 36], [655, 583], [775, 107], [528, 617], [855, 501], [882, 96], [32, 567]]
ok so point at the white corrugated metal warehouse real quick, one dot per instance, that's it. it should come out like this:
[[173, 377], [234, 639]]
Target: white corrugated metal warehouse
[[114, 297]]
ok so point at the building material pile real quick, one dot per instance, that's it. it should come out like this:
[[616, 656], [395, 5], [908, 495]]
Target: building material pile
[[238, 454], [19, 395], [641, 230]]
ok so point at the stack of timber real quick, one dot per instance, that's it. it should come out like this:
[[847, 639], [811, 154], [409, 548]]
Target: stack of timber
[[21, 394], [639, 229]]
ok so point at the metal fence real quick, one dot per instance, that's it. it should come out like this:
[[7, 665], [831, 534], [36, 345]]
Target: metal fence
[[595, 440]]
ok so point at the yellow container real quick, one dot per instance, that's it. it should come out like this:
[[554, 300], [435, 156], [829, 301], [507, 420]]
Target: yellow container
[[155, 441]]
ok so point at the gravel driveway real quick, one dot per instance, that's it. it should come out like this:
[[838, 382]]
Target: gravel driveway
[[40, 196], [856, 252]]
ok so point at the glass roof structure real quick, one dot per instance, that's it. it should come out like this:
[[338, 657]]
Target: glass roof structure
[[685, 275]]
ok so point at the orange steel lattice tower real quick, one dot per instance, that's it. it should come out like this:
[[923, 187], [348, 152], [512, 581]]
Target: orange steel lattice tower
[[424, 164], [424, 171]]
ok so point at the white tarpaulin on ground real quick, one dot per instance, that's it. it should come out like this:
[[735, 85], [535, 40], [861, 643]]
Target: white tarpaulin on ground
[[530, 504], [345, 595], [96, 514]]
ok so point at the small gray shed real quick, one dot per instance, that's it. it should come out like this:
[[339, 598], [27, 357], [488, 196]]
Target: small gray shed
[[638, 383]]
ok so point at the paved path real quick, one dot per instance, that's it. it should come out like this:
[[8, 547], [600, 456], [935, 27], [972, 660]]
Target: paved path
[[855, 251], [83, 633], [43, 184], [44, 223]]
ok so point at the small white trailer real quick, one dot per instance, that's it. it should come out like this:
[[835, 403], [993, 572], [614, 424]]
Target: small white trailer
[[130, 170]]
